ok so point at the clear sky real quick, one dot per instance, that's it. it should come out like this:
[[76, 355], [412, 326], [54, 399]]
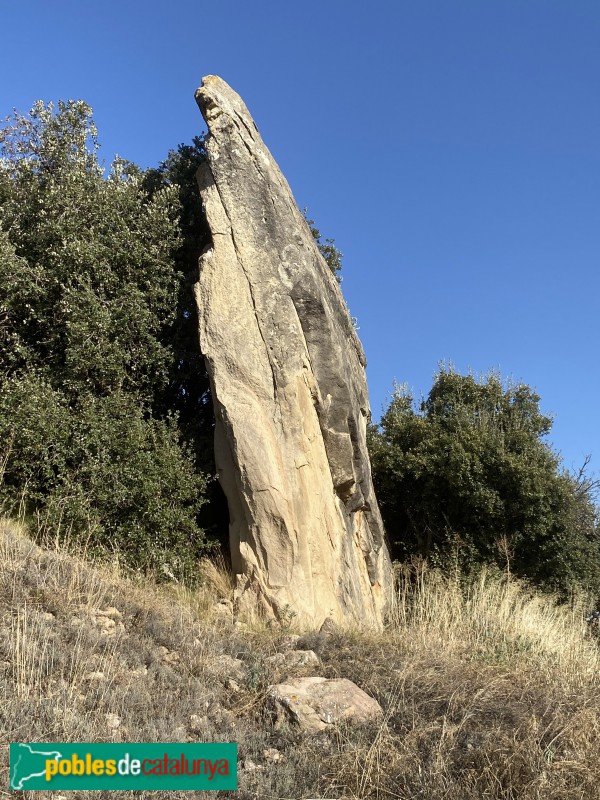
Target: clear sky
[[451, 148]]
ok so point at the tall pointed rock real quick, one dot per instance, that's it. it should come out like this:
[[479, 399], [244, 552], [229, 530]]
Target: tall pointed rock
[[287, 372]]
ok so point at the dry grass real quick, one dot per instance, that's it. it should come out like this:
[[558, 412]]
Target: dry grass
[[494, 619], [489, 691]]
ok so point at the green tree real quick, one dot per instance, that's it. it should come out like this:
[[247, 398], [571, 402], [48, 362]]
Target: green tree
[[188, 391], [90, 289], [467, 474]]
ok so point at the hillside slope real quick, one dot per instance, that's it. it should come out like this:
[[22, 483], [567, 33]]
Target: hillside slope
[[488, 693]]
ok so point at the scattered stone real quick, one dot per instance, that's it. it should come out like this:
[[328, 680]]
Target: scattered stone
[[294, 658], [316, 703], [162, 653], [139, 672], [223, 608], [198, 724], [288, 642], [287, 370], [273, 755], [231, 667], [251, 766], [329, 626], [111, 612], [95, 677], [112, 721], [232, 685]]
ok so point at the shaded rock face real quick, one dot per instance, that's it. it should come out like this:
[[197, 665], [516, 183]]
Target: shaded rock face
[[288, 380]]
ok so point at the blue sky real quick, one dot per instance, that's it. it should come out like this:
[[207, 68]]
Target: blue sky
[[451, 148]]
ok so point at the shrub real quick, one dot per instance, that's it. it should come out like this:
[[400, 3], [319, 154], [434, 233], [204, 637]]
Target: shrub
[[467, 474]]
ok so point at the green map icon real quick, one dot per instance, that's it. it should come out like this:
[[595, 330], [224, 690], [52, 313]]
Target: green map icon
[[28, 762]]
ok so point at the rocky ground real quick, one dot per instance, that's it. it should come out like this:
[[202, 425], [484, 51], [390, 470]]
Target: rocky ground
[[490, 692]]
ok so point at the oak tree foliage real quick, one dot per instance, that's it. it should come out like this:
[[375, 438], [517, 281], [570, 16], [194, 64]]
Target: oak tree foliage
[[91, 443], [468, 475]]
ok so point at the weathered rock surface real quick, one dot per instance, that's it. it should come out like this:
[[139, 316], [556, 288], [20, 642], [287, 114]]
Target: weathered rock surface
[[315, 704], [287, 374], [294, 658]]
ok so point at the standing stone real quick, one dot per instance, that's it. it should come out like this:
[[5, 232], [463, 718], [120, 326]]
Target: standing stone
[[287, 374]]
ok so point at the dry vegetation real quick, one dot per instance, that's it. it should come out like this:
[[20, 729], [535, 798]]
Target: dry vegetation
[[489, 691]]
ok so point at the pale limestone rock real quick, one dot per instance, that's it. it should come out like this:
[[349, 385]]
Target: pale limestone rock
[[315, 704], [232, 685], [111, 612], [288, 642], [230, 667], [329, 627], [94, 677], [287, 374], [162, 653], [112, 721], [198, 724], [108, 620], [294, 658], [273, 755], [223, 608]]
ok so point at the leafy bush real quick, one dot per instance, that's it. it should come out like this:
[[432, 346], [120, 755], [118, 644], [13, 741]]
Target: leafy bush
[[90, 295], [467, 475]]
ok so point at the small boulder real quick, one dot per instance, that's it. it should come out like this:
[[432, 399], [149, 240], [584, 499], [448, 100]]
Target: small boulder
[[329, 626], [223, 608], [272, 755], [198, 724], [94, 677], [112, 721], [230, 667], [294, 658], [108, 620], [162, 653], [316, 703], [111, 612], [288, 642]]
